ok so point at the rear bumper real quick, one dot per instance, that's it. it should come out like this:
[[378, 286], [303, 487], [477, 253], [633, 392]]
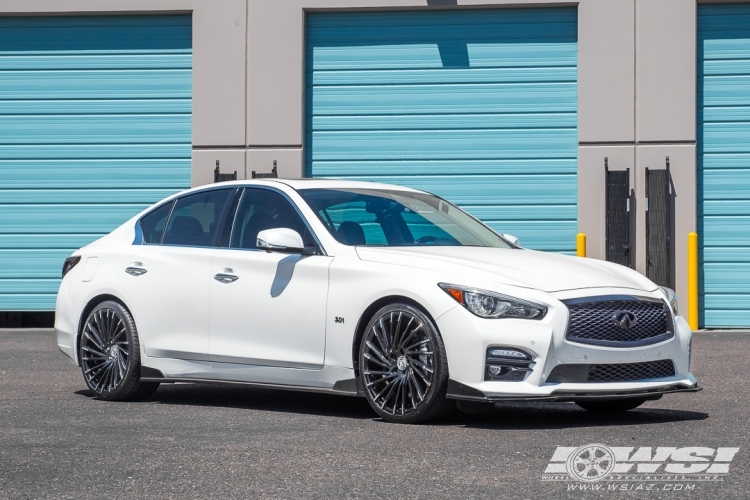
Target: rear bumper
[[457, 390], [67, 312]]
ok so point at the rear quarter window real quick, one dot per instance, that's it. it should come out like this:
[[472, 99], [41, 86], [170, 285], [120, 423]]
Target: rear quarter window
[[153, 224]]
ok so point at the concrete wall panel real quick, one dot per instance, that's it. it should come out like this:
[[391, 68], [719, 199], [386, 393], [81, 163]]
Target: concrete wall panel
[[606, 66], [219, 29], [665, 69]]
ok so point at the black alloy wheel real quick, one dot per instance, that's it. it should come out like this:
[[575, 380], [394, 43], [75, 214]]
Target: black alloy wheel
[[611, 406], [403, 367], [110, 355]]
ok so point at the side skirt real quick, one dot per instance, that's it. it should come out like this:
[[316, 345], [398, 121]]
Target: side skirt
[[252, 384], [329, 380]]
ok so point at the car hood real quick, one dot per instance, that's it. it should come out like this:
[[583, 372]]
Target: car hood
[[548, 272]]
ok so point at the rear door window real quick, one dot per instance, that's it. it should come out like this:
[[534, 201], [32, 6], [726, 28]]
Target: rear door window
[[195, 218]]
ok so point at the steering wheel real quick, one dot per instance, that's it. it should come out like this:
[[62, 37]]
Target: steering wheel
[[425, 239]]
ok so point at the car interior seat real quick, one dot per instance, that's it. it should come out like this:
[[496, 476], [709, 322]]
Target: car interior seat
[[351, 233], [185, 230]]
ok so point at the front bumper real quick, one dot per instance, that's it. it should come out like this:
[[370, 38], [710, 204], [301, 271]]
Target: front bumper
[[457, 390], [467, 338]]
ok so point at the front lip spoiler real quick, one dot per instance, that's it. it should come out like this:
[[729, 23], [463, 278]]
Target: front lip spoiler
[[457, 390]]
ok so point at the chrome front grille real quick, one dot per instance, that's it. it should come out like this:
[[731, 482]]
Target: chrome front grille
[[620, 372], [620, 321]]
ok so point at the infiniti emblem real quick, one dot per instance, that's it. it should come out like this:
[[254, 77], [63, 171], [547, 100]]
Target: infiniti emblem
[[624, 319]]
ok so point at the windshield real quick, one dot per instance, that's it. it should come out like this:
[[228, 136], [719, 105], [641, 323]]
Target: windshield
[[376, 217]]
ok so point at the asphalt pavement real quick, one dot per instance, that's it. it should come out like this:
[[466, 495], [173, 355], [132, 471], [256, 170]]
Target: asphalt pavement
[[230, 441]]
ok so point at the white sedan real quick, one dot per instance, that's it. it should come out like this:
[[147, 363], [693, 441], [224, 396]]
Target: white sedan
[[366, 290]]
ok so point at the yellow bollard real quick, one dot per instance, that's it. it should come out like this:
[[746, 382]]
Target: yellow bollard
[[693, 280], [581, 245]]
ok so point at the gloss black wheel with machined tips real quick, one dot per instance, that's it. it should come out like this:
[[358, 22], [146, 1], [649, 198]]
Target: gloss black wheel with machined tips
[[110, 354], [403, 366]]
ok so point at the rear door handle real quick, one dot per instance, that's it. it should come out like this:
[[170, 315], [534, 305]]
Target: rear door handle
[[226, 276], [136, 269]]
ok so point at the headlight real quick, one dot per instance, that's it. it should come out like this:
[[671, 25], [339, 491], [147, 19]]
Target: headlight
[[672, 299], [487, 304]]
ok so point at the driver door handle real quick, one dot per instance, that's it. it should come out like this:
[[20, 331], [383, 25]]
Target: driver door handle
[[136, 269], [226, 276]]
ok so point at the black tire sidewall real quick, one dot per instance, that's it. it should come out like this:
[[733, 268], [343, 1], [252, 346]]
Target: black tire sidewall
[[129, 384], [435, 400]]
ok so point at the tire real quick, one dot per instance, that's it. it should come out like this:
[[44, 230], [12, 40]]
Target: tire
[[403, 366], [611, 406], [110, 355]]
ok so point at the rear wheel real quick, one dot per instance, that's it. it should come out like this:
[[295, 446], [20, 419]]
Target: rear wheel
[[403, 366], [110, 355], [611, 406]]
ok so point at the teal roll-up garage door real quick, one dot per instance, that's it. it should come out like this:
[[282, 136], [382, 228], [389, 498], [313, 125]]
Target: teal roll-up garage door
[[478, 106], [724, 164], [95, 125]]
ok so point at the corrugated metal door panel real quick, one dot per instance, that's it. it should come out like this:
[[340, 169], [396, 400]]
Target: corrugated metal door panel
[[478, 106], [95, 125], [724, 164], [92, 174]]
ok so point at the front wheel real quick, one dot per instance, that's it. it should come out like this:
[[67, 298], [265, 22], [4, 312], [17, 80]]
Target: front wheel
[[403, 366], [611, 406], [110, 355]]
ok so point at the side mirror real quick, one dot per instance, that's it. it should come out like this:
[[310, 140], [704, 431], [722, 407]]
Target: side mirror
[[280, 239], [515, 241]]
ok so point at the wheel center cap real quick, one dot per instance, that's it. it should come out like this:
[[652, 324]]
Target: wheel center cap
[[401, 363], [113, 351]]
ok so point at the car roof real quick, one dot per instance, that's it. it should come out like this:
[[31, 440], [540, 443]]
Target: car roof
[[318, 183]]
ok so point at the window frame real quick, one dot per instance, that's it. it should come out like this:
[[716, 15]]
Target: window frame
[[220, 223], [231, 220]]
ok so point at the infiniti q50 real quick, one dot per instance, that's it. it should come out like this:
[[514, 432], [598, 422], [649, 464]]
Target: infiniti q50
[[361, 289]]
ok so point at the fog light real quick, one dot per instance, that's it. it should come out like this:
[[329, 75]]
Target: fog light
[[495, 370], [507, 365]]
